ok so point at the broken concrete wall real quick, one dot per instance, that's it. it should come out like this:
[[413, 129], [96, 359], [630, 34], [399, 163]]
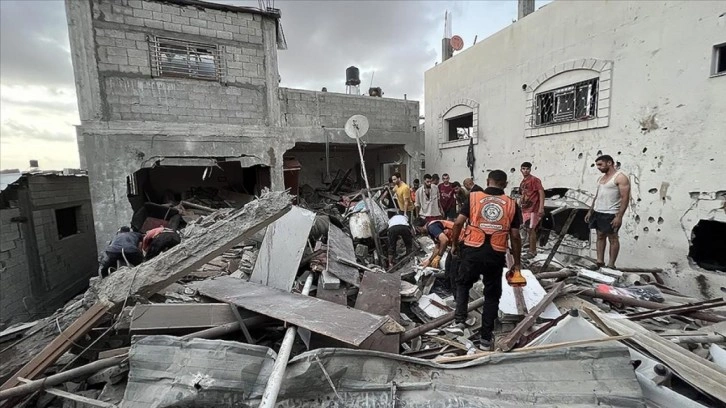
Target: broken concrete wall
[[43, 265], [658, 115], [133, 119]]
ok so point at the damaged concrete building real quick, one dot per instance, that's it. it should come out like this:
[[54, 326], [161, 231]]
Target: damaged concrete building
[[177, 96], [47, 248], [558, 88]]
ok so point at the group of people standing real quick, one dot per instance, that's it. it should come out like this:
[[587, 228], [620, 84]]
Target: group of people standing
[[480, 225]]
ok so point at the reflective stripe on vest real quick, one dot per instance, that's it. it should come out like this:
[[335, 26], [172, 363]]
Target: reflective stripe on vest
[[490, 215]]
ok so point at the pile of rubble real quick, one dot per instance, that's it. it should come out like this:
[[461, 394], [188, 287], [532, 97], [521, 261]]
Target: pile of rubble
[[275, 305]]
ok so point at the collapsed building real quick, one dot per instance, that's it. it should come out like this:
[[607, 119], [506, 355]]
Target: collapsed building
[[178, 98], [641, 81]]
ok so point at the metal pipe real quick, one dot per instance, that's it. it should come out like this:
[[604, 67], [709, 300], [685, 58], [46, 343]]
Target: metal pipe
[[60, 378], [269, 397], [367, 200], [438, 322]]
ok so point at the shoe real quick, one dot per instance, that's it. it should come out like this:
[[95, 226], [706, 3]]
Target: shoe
[[457, 329], [486, 345]]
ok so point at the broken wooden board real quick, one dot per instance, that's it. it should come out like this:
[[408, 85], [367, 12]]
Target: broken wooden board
[[281, 250], [56, 348], [533, 293], [319, 316], [341, 246], [339, 295], [203, 243], [168, 318]]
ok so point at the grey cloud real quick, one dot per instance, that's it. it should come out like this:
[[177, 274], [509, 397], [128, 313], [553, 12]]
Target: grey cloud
[[13, 130], [34, 46]]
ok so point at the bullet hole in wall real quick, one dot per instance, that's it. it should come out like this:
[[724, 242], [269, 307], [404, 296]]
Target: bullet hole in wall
[[636, 237], [653, 190], [512, 170], [579, 156], [599, 152], [573, 149], [646, 229], [658, 230], [592, 165], [619, 153], [652, 170], [711, 160], [639, 200], [651, 219], [645, 149], [660, 220], [637, 219]]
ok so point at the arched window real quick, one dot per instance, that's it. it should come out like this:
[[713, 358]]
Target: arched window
[[459, 124]]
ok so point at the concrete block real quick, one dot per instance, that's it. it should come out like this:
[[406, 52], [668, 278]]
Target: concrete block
[[138, 62], [162, 16], [208, 33], [225, 35], [223, 18], [149, 5], [135, 53], [173, 10], [213, 25], [172, 27], [255, 39], [143, 13], [136, 36], [180, 20], [189, 12], [196, 22], [241, 37], [118, 59], [190, 30], [153, 24], [135, 4]]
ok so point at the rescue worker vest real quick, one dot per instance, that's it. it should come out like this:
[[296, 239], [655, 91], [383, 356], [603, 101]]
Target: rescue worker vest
[[449, 229], [489, 215]]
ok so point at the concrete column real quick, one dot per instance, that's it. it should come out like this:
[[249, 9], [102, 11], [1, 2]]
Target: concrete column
[[272, 75], [85, 63], [524, 8]]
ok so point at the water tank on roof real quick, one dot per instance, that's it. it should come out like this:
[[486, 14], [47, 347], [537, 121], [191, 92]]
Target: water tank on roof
[[352, 76]]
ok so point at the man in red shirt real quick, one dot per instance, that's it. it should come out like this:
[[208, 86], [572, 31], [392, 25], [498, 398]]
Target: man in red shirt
[[447, 199], [532, 204]]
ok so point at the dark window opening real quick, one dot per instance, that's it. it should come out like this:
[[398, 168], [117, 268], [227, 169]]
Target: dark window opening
[[707, 249], [719, 59], [567, 104], [460, 127], [186, 59], [66, 220]]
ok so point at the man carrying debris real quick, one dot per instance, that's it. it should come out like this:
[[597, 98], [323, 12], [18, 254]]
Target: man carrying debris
[[448, 200], [398, 228], [608, 207], [158, 240], [494, 218], [532, 204], [427, 200], [123, 247], [441, 232]]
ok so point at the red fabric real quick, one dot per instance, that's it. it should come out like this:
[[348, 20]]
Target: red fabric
[[150, 235], [530, 187], [446, 196]]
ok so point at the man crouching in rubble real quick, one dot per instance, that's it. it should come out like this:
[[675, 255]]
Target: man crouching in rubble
[[123, 247], [440, 231], [494, 218], [158, 240]]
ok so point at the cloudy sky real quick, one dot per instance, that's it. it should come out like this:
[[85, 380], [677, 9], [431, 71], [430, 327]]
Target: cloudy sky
[[398, 40]]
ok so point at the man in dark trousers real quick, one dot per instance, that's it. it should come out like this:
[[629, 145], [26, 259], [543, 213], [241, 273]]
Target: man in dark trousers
[[440, 231], [494, 219], [398, 228], [123, 247]]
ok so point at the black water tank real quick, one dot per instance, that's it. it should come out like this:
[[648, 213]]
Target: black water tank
[[352, 76]]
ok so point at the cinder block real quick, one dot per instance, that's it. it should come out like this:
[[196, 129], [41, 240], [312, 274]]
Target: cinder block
[[143, 13], [226, 35], [208, 33], [180, 20], [162, 16], [196, 22], [153, 24], [169, 9], [173, 27], [153, 6]]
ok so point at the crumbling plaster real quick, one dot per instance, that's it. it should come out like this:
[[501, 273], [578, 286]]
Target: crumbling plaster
[[666, 121]]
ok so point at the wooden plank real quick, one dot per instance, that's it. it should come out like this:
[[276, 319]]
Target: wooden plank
[[339, 322], [339, 295], [508, 342], [696, 370], [556, 246], [380, 294], [75, 397], [341, 246], [167, 318], [282, 249], [56, 348], [689, 307]]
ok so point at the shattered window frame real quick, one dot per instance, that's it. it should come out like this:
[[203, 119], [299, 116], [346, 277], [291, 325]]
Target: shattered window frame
[[185, 59], [456, 132], [718, 64], [569, 103]]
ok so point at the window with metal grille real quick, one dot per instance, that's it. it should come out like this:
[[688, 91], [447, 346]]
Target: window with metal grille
[[186, 59], [567, 104]]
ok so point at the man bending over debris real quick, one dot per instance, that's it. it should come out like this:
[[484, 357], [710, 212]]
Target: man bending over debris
[[494, 219], [158, 240], [398, 228], [440, 232], [608, 207], [124, 246]]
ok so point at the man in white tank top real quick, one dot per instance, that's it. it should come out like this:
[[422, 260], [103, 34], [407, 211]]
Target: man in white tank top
[[608, 207]]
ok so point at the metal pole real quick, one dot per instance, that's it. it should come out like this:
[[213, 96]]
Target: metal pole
[[374, 229], [269, 397]]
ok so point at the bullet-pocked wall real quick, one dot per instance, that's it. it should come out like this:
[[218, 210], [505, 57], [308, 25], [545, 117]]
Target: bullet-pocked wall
[[188, 81], [638, 81]]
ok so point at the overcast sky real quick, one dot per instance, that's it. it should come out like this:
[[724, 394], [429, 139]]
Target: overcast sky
[[399, 40]]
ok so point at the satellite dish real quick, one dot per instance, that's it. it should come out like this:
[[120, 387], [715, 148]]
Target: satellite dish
[[457, 43], [356, 127]]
